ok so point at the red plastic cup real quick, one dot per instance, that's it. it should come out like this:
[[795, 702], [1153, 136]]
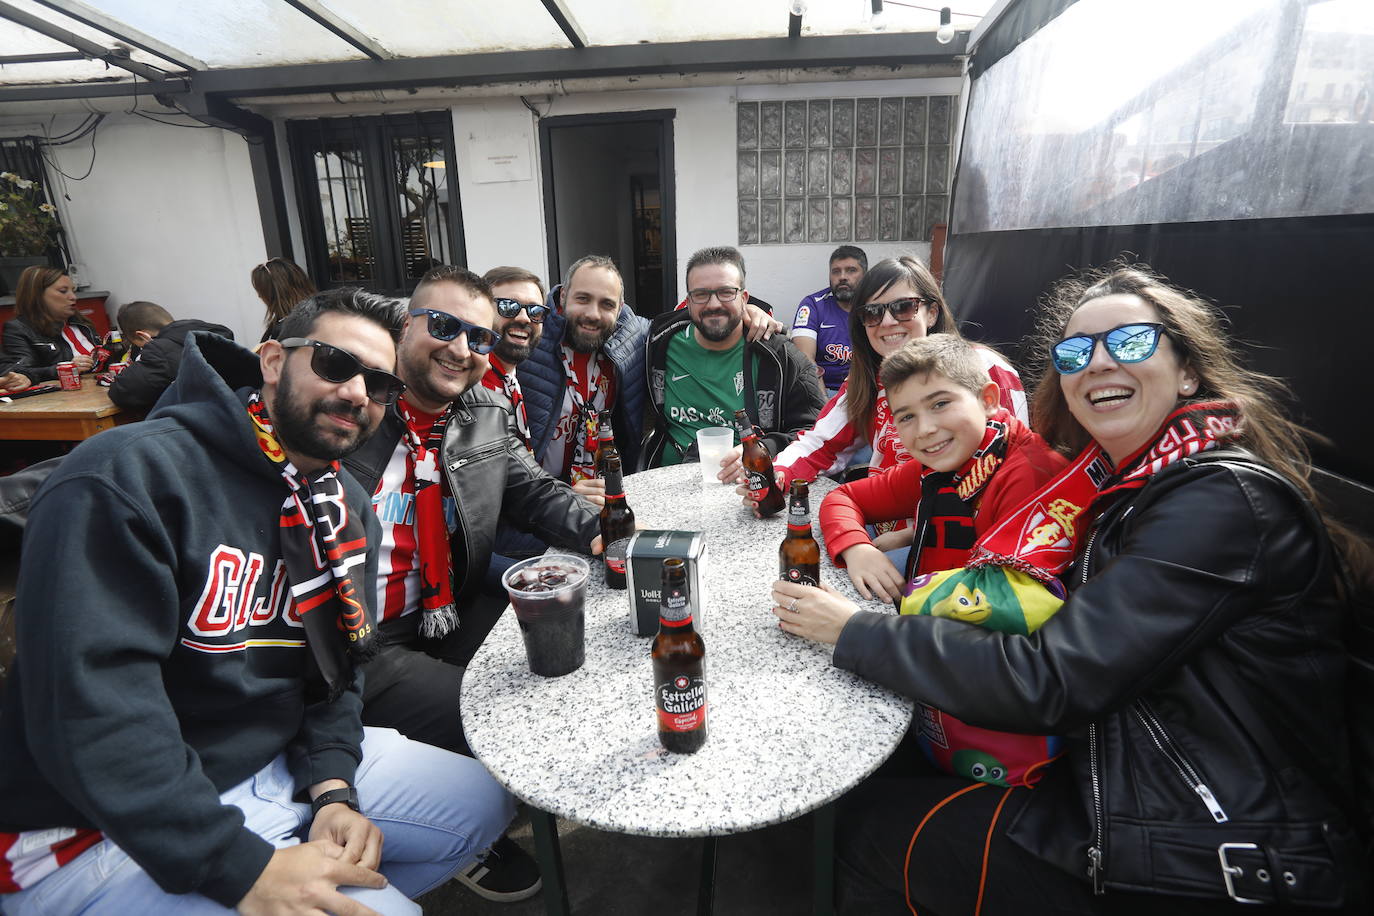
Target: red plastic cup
[[68, 377]]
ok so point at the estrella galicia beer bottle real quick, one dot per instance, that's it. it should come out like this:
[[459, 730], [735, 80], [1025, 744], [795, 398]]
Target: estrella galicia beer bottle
[[605, 444], [758, 467], [799, 557], [617, 525], [679, 657]]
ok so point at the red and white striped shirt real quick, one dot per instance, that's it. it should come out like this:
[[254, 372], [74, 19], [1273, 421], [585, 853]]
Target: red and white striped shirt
[[29, 857], [827, 447], [76, 338]]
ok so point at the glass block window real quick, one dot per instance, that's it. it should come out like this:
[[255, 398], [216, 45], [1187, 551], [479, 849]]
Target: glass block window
[[843, 170]]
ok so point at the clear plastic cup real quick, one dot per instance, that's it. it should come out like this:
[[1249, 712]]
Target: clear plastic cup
[[548, 593], [713, 444]]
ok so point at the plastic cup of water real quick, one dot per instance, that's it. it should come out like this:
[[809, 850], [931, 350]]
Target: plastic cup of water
[[713, 444]]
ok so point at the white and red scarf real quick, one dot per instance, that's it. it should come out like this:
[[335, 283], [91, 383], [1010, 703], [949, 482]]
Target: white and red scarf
[[425, 440], [1042, 537], [76, 338], [501, 378], [322, 543], [589, 390]]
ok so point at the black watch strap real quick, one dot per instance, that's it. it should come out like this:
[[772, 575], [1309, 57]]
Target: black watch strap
[[347, 795]]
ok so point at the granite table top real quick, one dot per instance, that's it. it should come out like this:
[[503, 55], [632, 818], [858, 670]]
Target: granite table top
[[788, 732]]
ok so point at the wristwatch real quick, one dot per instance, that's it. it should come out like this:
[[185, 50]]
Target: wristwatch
[[348, 795]]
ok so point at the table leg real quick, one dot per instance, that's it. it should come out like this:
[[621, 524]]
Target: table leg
[[706, 890], [550, 859], [823, 868]]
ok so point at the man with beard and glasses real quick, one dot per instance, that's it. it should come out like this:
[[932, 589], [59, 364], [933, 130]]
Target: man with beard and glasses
[[182, 731], [444, 468], [702, 369], [520, 310], [821, 326]]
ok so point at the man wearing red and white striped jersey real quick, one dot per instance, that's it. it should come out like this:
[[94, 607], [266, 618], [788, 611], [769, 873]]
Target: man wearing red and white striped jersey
[[445, 466]]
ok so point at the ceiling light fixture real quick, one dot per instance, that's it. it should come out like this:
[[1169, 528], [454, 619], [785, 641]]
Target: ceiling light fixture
[[876, 21], [945, 33]]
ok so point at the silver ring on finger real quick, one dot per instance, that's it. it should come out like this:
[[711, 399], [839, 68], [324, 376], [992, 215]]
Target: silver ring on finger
[[793, 606]]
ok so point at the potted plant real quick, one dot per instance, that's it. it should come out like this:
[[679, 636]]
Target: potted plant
[[28, 227]]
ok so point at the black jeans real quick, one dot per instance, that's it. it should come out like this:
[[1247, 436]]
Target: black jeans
[[408, 689]]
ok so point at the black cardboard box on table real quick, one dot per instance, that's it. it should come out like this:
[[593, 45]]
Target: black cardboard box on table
[[644, 568]]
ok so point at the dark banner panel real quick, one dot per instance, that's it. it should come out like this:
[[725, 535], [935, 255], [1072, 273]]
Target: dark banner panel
[[1299, 294]]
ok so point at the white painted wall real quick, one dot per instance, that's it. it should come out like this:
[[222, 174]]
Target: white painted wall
[[504, 220], [167, 214]]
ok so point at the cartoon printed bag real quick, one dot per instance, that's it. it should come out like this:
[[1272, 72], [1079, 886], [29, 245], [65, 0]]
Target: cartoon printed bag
[[1002, 599]]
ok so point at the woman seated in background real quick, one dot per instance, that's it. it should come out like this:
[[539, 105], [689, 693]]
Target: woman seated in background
[[47, 329], [897, 300], [280, 284], [1197, 666]]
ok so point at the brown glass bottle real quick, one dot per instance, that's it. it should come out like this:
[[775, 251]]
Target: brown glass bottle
[[758, 467], [605, 444], [799, 557], [679, 657], [617, 524]]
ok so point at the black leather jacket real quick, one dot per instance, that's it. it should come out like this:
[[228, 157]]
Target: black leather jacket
[[1212, 565], [37, 353], [491, 476]]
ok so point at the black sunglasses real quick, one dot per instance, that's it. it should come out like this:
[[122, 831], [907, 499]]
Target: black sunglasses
[[509, 308], [902, 310], [338, 366], [1127, 343], [443, 326]]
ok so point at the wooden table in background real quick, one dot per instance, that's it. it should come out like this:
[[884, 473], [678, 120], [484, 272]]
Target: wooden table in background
[[64, 416]]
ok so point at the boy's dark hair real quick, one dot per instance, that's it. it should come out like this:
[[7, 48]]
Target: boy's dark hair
[[951, 356], [347, 300], [499, 275], [718, 254], [849, 251], [141, 316]]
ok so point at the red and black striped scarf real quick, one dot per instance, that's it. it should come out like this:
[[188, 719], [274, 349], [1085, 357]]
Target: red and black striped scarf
[[439, 613], [322, 544], [949, 499]]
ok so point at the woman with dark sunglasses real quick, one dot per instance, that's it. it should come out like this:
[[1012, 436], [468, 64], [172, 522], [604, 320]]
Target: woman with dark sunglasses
[[1197, 668], [898, 300]]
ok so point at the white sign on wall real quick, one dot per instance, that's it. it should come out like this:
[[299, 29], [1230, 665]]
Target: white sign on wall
[[500, 157]]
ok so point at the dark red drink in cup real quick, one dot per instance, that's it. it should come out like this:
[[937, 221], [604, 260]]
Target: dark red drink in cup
[[548, 593]]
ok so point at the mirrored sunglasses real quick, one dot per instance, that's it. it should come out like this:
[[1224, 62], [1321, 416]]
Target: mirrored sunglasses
[[509, 308], [902, 310], [443, 326], [337, 366], [1127, 343]]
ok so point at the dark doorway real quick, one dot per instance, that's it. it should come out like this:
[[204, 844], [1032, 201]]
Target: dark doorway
[[608, 189]]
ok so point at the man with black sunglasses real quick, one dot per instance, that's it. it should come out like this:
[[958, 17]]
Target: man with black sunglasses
[[444, 468], [182, 728], [520, 310]]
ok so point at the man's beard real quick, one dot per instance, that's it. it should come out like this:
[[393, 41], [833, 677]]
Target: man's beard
[[512, 353], [717, 332], [297, 430], [843, 293], [584, 340]]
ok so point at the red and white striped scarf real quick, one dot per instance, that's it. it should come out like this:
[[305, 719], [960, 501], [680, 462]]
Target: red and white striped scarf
[[439, 613], [76, 338]]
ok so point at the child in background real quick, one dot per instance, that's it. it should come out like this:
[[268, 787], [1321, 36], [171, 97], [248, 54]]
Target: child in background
[[974, 463]]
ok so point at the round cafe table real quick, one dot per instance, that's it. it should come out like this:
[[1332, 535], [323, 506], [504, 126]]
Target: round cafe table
[[787, 732]]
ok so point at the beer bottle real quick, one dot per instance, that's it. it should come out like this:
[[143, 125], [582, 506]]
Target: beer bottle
[[799, 557], [605, 444], [679, 658], [617, 524], [758, 467], [114, 343]]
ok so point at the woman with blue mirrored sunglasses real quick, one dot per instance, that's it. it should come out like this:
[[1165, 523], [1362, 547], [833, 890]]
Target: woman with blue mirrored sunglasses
[[443, 326], [1127, 343]]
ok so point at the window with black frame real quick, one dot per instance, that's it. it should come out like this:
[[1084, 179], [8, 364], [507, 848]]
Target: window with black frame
[[378, 197]]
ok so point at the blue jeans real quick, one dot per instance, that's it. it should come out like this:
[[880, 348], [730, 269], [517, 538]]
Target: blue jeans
[[436, 810]]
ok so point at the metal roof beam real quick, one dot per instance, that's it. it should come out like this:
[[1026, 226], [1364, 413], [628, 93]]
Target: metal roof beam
[[342, 28], [85, 46], [41, 58], [88, 15], [107, 90], [887, 49], [564, 18]]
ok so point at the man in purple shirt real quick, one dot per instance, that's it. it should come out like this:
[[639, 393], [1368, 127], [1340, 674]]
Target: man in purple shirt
[[821, 327]]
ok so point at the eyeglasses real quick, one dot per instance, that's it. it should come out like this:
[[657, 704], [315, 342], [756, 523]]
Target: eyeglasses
[[338, 366], [703, 296], [509, 308], [902, 310], [443, 326], [1128, 343]]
